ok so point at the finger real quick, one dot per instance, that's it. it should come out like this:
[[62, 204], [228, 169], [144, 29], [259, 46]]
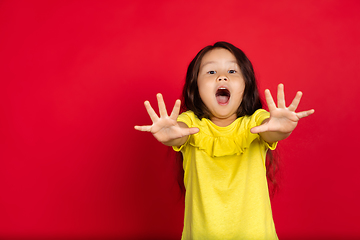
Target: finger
[[175, 112], [154, 117], [269, 100], [259, 129], [281, 96], [161, 103], [305, 113], [143, 128], [295, 103], [189, 131]]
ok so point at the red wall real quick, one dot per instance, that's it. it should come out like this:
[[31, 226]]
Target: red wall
[[74, 75]]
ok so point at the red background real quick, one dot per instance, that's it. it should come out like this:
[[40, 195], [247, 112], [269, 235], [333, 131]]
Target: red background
[[74, 76]]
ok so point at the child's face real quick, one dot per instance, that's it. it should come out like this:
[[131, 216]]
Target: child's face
[[221, 84]]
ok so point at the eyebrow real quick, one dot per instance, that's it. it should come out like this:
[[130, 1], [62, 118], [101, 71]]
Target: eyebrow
[[215, 62]]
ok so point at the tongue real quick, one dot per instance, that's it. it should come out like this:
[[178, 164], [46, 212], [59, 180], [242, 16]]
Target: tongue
[[222, 99]]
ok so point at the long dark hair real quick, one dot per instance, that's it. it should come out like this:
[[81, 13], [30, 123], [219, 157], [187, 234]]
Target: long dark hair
[[250, 103]]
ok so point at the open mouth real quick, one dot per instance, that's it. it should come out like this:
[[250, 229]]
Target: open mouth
[[222, 95]]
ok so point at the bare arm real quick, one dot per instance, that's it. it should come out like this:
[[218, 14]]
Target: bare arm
[[165, 128], [283, 120]]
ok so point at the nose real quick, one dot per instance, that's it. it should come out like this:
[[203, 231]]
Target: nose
[[222, 78]]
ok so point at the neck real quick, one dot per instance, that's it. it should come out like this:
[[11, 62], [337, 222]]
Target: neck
[[223, 122]]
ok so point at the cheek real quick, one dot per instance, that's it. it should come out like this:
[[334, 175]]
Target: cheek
[[204, 89], [240, 87], [204, 94], [239, 93], [238, 99]]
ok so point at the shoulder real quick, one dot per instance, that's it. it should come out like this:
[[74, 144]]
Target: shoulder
[[189, 118], [257, 117], [189, 114]]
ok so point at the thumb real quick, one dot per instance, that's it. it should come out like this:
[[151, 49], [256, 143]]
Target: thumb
[[259, 129], [190, 131]]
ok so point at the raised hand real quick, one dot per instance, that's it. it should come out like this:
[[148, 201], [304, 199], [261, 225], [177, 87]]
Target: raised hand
[[165, 128], [282, 119]]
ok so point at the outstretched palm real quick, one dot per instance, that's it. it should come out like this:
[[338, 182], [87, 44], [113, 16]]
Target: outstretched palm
[[282, 119], [165, 128]]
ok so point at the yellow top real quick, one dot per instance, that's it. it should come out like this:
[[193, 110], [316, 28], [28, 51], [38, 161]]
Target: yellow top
[[225, 179]]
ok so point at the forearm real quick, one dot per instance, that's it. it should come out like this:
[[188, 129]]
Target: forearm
[[271, 137], [176, 142]]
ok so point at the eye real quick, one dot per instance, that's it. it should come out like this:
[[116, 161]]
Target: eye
[[232, 71], [211, 72]]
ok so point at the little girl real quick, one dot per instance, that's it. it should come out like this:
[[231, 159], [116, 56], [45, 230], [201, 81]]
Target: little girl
[[224, 136]]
